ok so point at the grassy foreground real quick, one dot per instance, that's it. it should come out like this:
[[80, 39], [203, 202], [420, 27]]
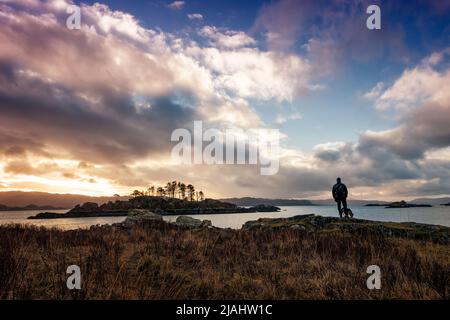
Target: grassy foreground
[[162, 261]]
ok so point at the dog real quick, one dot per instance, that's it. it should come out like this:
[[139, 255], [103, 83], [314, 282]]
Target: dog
[[346, 213]]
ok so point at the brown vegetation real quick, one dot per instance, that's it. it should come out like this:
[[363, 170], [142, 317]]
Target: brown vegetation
[[162, 261]]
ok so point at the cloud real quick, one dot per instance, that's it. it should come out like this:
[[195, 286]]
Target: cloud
[[333, 33], [250, 73], [375, 92], [230, 39], [411, 158], [111, 94], [195, 16], [421, 97], [281, 119], [176, 5], [425, 83], [102, 102]]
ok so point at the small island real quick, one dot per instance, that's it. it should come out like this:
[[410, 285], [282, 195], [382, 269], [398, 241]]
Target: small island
[[399, 204], [175, 199]]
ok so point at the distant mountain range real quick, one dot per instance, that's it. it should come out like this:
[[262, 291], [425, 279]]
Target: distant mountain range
[[432, 201], [351, 202], [28, 207], [67, 201], [248, 202], [296, 202]]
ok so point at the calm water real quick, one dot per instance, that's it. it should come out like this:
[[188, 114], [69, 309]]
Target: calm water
[[437, 215]]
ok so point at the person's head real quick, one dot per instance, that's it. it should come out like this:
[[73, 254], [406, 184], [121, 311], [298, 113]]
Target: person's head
[[338, 180]]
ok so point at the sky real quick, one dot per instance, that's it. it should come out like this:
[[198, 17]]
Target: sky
[[91, 110]]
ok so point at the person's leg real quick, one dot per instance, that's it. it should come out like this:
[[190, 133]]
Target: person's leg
[[344, 203], [339, 208]]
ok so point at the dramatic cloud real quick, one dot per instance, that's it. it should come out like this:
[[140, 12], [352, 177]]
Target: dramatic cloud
[[339, 31], [92, 110], [414, 152], [111, 93], [426, 83], [227, 39]]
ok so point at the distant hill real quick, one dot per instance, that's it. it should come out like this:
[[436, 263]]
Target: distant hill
[[28, 207], [432, 201], [66, 201], [248, 202], [351, 202]]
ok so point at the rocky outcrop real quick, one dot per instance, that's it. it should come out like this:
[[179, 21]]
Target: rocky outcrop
[[189, 222], [137, 217], [313, 223]]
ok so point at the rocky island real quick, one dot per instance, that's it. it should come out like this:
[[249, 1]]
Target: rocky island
[[399, 204], [159, 205]]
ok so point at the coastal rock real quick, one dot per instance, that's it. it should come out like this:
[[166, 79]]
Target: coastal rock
[[85, 208], [139, 216], [189, 222], [313, 223]]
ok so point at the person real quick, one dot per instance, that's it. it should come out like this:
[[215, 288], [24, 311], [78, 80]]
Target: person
[[340, 194]]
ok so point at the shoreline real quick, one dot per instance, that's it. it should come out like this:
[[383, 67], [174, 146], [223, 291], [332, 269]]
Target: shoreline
[[53, 215]]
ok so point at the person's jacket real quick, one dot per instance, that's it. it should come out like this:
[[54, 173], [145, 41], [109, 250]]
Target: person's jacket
[[340, 191]]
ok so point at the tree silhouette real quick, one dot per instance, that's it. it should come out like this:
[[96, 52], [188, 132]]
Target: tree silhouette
[[191, 192], [151, 191], [160, 192], [172, 189], [137, 193], [182, 188]]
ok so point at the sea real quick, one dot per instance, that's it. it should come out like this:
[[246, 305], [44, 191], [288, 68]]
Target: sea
[[437, 215]]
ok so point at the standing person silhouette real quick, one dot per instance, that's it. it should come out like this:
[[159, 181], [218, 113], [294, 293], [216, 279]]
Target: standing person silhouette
[[340, 194]]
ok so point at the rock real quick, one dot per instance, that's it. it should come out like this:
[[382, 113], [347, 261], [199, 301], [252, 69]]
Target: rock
[[139, 216], [85, 208], [313, 223], [189, 222]]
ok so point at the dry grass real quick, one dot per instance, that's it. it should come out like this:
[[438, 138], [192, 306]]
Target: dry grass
[[161, 261]]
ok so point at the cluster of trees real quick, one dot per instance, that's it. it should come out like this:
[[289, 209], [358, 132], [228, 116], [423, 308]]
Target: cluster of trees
[[174, 189]]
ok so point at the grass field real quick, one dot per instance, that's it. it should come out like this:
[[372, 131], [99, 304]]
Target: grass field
[[162, 261]]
